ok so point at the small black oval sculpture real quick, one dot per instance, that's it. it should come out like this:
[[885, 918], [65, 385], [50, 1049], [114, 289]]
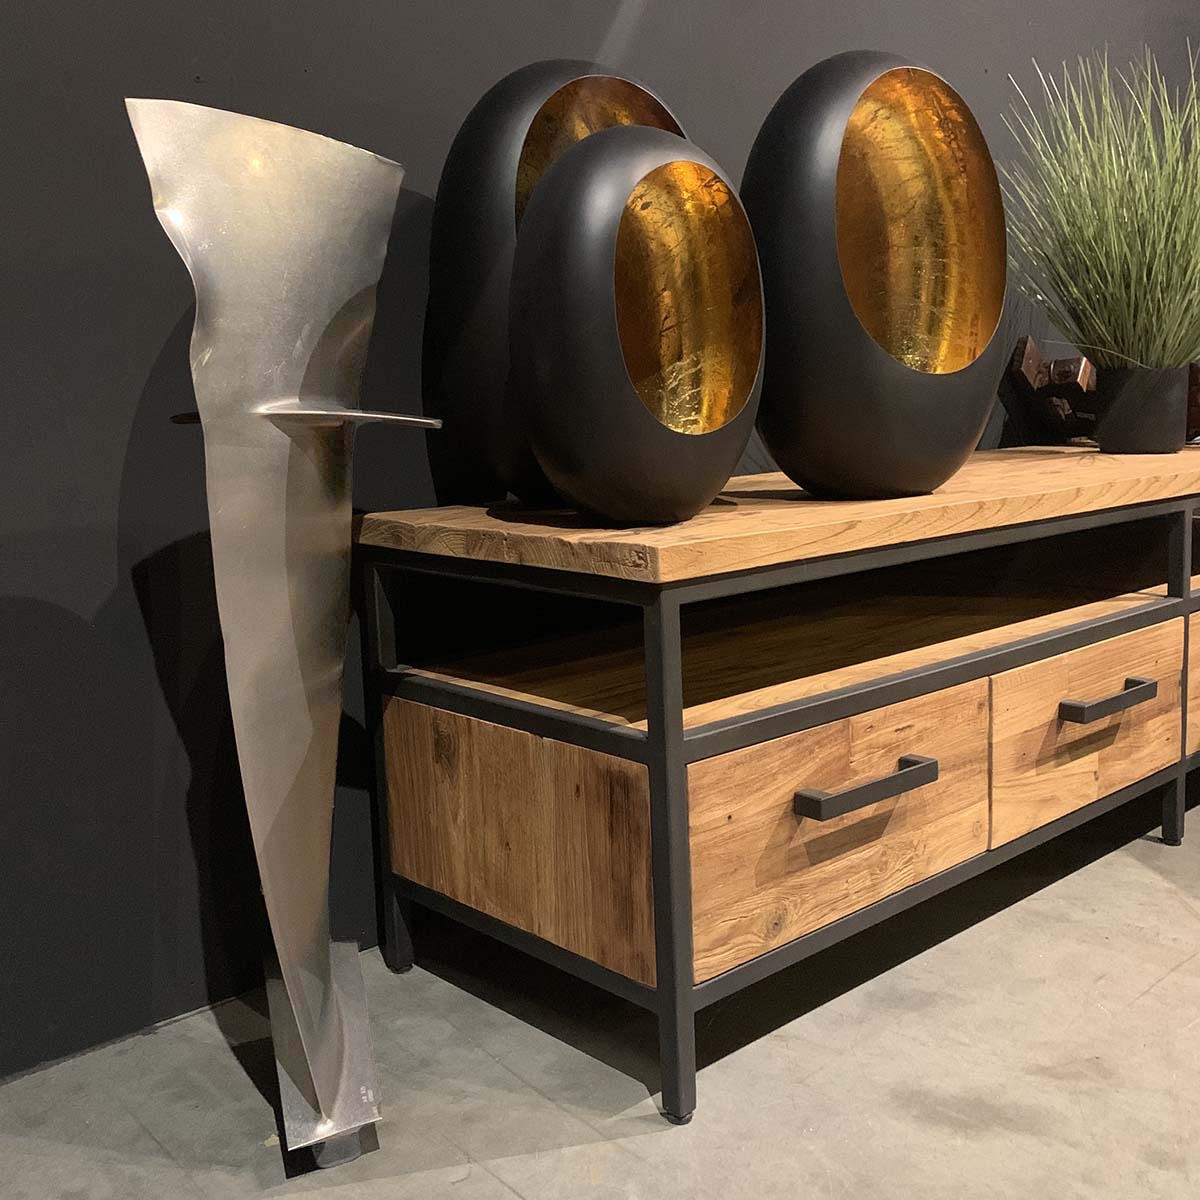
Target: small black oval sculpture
[[637, 326], [881, 231], [508, 140]]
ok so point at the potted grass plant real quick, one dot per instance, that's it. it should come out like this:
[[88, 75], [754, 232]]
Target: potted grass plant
[[1104, 228]]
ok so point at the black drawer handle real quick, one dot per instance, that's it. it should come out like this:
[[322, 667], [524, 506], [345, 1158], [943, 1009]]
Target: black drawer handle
[[1084, 712], [912, 771]]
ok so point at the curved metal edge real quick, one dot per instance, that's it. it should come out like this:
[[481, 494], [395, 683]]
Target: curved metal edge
[[334, 414]]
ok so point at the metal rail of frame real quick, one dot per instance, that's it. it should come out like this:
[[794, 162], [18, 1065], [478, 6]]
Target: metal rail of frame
[[666, 748]]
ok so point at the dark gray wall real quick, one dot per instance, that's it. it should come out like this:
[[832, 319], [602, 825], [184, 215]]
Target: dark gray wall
[[127, 888]]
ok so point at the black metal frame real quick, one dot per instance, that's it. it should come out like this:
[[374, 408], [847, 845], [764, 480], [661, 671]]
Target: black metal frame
[[666, 748]]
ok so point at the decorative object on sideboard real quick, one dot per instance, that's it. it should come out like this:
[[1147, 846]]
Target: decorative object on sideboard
[[1142, 410], [1193, 402], [284, 234], [881, 231], [1048, 402], [637, 326], [508, 140], [1104, 215]]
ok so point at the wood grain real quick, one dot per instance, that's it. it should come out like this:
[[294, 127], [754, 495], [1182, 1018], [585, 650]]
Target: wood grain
[[776, 652], [549, 837], [1042, 767], [762, 520], [761, 876]]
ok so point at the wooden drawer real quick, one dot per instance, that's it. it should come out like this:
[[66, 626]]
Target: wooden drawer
[[1044, 767], [551, 838], [762, 876]]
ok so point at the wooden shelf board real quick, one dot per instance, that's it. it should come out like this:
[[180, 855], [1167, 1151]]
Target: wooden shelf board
[[763, 520], [766, 660]]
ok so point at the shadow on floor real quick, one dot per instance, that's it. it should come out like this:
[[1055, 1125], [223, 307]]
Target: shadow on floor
[[624, 1037]]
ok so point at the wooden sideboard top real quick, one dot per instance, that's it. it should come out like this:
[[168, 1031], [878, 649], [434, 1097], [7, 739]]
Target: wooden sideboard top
[[763, 520]]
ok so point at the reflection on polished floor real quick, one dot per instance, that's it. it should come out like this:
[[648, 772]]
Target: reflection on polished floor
[[1035, 1029]]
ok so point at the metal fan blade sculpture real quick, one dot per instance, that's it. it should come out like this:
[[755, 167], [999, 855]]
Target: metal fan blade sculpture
[[284, 233]]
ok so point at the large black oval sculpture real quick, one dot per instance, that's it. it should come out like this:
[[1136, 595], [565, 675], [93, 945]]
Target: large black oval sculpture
[[637, 326], [881, 229], [508, 140]]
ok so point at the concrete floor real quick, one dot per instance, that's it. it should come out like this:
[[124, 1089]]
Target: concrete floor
[[1033, 1033]]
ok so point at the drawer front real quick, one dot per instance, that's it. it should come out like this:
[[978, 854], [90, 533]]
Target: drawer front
[[761, 876], [551, 838], [1043, 766]]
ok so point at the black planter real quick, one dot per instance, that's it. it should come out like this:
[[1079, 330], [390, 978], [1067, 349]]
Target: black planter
[[880, 229], [1143, 410], [515, 131], [637, 326]]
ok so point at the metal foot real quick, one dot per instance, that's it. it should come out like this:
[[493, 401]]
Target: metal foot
[[345, 1147], [304, 1124], [1173, 812], [397, 947], [677, 1063]]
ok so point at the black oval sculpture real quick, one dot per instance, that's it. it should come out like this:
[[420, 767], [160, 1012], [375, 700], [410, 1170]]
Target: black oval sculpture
[[508, 140], [881, 229], [637, 326]]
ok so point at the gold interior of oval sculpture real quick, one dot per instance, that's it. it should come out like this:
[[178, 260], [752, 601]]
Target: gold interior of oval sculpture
[[688, 297], [920, 223], [577, 109]]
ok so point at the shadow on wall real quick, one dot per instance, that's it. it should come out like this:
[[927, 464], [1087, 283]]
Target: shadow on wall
[[138, 798], [211, 938], [125, 762], [77, 942], [391, 465]]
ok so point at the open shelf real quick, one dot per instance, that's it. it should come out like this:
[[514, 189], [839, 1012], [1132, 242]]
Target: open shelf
[[747, 653], [785, 652]]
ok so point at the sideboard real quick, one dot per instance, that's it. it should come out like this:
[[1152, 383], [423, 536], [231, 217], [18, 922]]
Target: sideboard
[[675, 760]]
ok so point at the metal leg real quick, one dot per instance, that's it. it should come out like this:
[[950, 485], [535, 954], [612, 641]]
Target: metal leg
[[1173, 803], [396, 941], [377, 636], [337, 1151], [1179, 583], [670, 859]]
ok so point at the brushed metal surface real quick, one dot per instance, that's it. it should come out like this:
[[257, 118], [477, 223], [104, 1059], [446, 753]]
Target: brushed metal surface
[[577, 110], [284, 234], [920, 222], [688, 297], [304, 1121]]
